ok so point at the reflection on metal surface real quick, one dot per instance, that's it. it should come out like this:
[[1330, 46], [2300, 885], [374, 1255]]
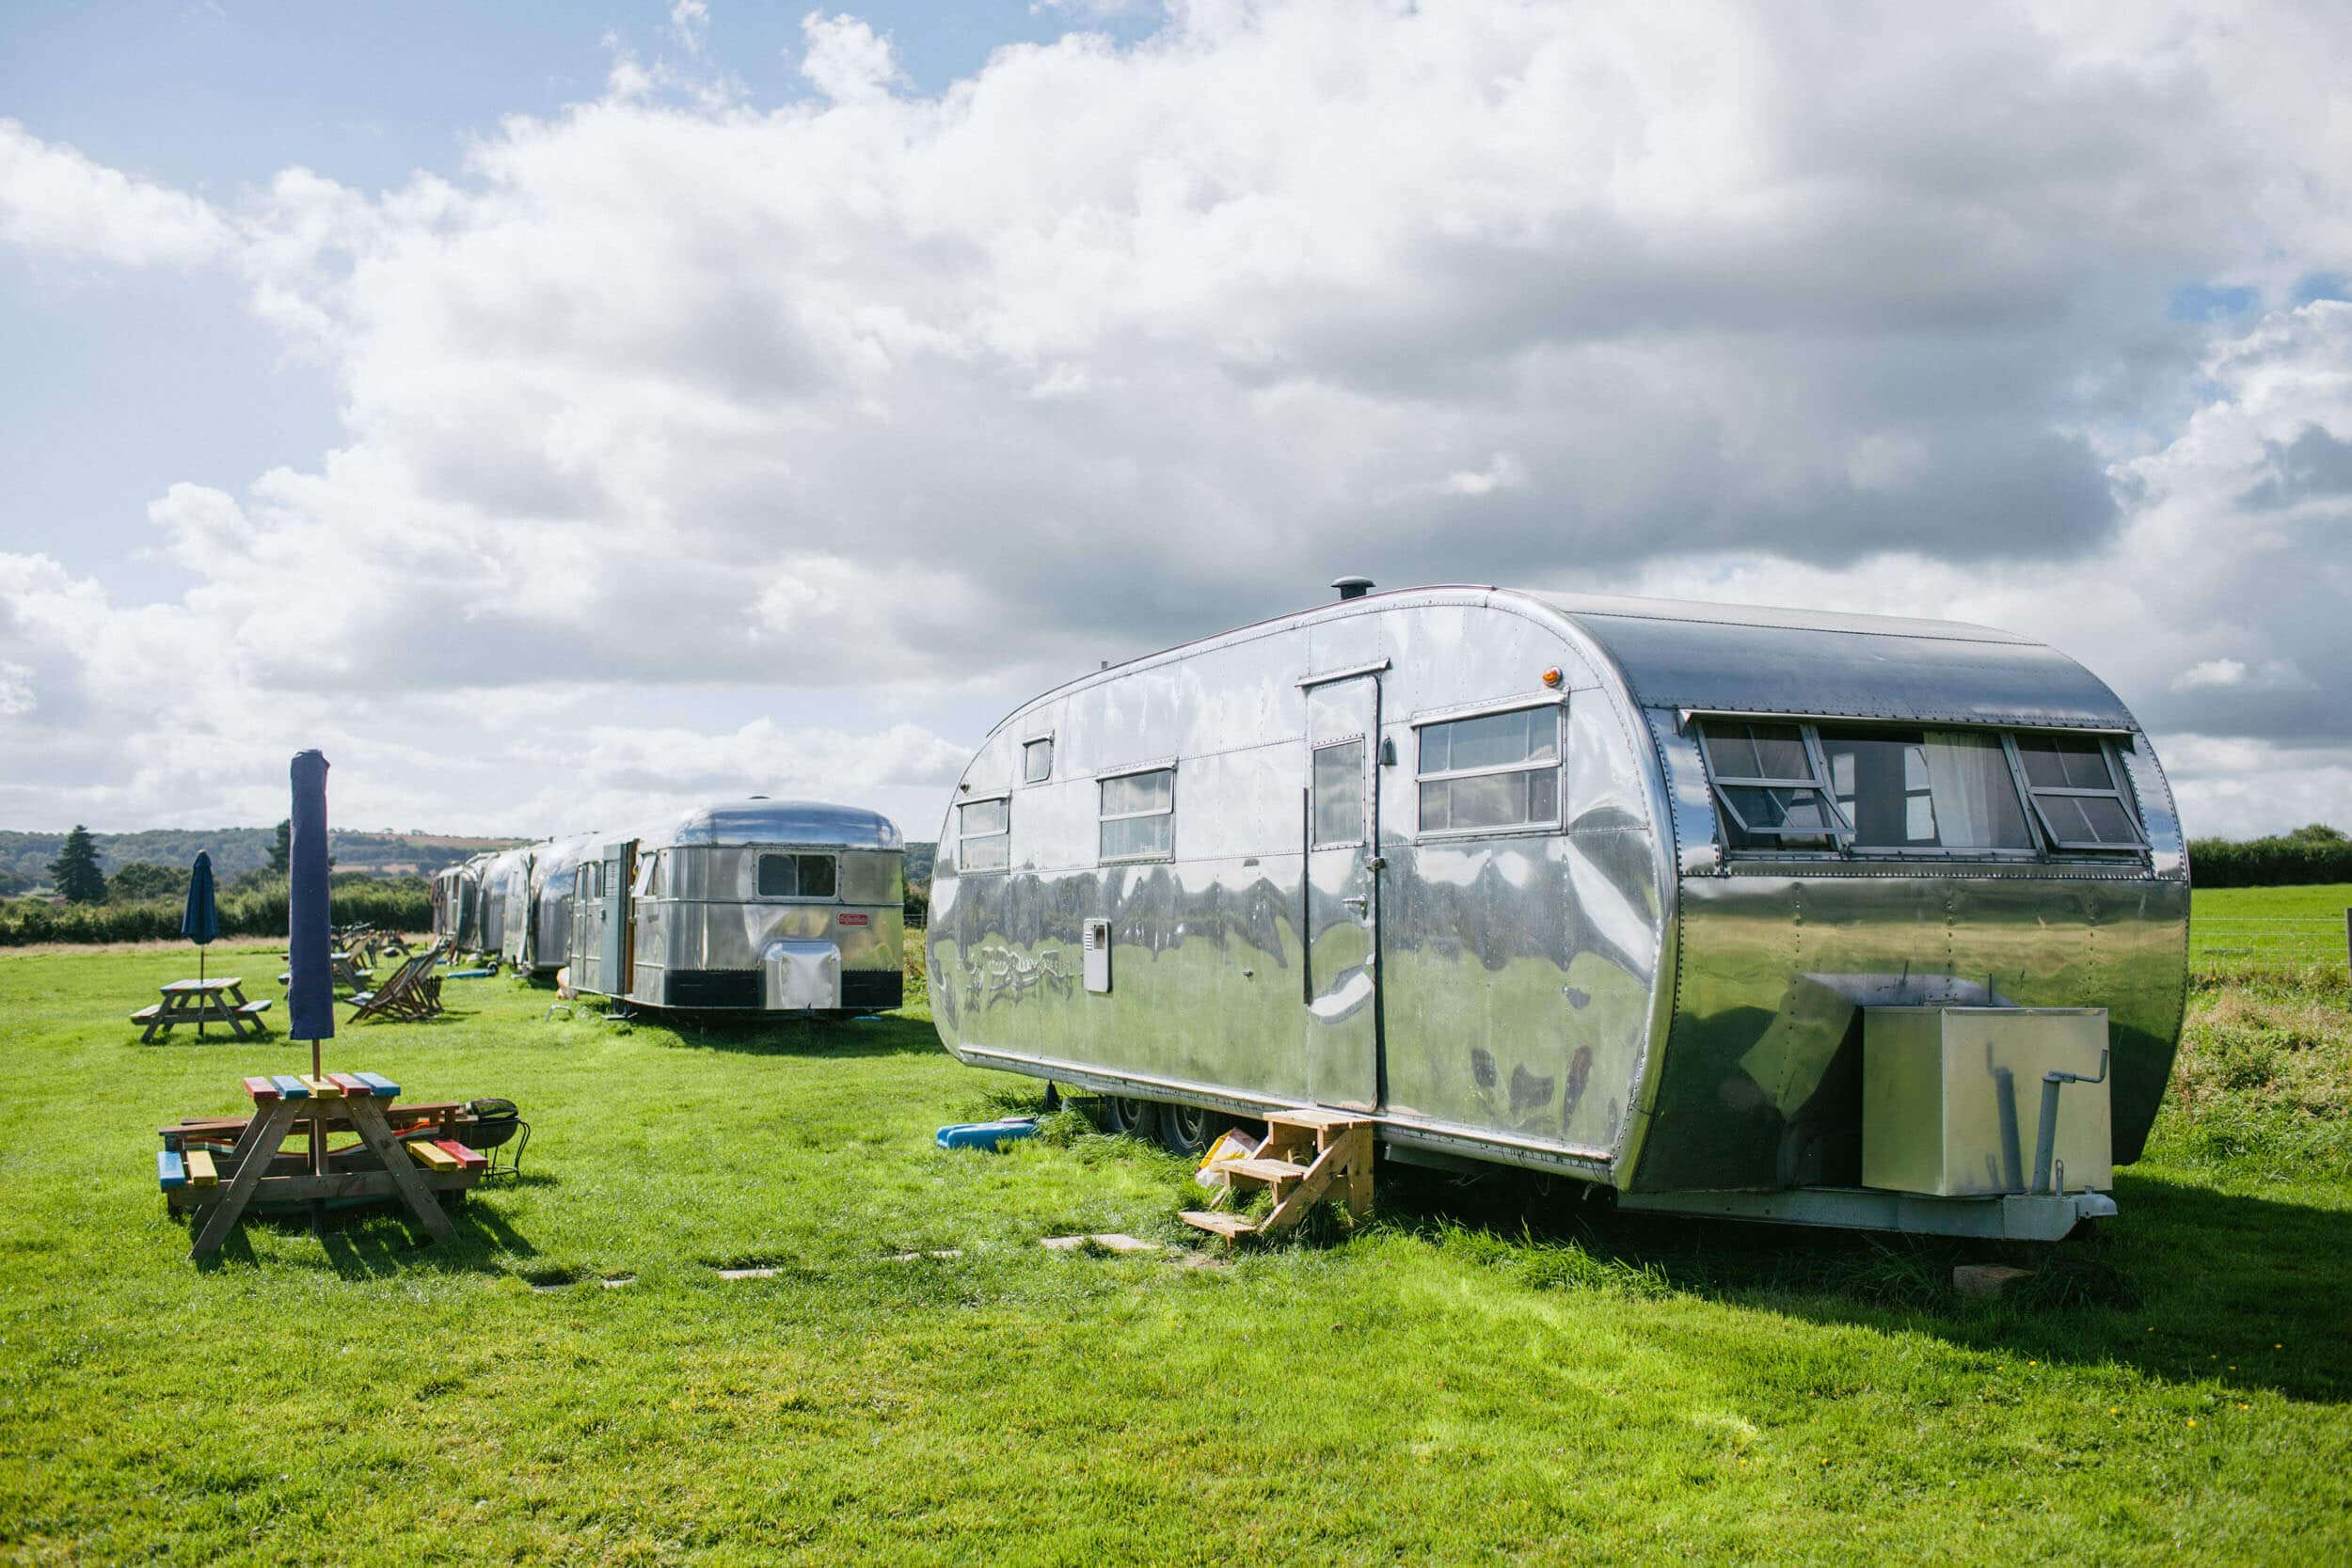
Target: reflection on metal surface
[[1610, 996]]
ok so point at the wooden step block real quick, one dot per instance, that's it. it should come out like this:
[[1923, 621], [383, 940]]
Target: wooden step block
[[200, 1171], [467, 1158], [1231, 1226], [262, 1089], [383, 1087], [1261, 1170], [324, 1088], [1315, 1119], [352, 1083], [289, 1086], [171, 1171], [432, 1156]]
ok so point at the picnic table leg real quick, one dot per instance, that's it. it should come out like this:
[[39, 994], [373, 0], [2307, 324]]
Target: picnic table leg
[[163, 1010], [253, 1154], [367, 1119]]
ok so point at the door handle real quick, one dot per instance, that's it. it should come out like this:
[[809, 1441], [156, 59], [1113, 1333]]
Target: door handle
[[1359, 902]]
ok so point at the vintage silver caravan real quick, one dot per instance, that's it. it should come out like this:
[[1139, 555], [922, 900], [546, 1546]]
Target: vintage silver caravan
[[505, 876], [757, 905], [457, 904], [539, 930], [1822, 918]]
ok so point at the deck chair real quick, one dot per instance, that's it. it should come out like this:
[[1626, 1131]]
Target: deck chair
[[414, 991]]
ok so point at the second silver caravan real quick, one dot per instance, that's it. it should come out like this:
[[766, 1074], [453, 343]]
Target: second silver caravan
[[749, 906]]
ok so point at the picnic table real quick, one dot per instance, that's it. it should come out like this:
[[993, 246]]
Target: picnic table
[[202, 1002], [212, 1168]]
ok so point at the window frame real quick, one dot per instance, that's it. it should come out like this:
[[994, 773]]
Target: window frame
[[1045, 740], [2048, 849], [1004, 797], [796, 896], [1559, 763], [2119, 791], [1840, 833], [1167, 766], [1855, 849], [1366, 800]]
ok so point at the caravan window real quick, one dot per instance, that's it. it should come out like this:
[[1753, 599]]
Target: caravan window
[[1338, 793], [1924, 789], [2076, 792], [796, 877], [1771, 787], [984, 832], [1138, 816], [1037, 760], [1495, 770]]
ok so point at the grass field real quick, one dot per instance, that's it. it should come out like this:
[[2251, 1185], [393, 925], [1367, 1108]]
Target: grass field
[[1476, 1376]]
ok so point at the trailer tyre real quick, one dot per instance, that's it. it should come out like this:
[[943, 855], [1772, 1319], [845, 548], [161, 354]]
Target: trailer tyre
[[1137, 1119], [1189, 1130]]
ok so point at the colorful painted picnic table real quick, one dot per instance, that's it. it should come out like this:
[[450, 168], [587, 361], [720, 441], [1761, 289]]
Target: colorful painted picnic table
[[216, 1183], [202, 1002]]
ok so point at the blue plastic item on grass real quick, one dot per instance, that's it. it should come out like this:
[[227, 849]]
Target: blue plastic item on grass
[[469, 973], [987, 1134]]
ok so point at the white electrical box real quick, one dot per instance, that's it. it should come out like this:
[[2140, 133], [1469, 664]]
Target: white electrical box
[[1097, 943]]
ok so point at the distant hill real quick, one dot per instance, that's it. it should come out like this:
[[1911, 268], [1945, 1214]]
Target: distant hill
[[920, 859], [25, 857]]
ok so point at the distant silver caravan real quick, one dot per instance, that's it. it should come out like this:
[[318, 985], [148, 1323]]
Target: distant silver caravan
[[1650, 894], [758, 904]]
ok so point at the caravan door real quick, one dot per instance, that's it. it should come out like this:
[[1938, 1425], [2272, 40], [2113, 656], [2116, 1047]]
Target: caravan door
[[1341, 891], [616, 949]]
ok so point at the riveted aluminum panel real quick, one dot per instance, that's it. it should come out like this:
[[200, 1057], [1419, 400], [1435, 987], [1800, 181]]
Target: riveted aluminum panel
[[1848, 666]]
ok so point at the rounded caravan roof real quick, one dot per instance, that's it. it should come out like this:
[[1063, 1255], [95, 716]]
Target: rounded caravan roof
[[760, 821], [553, 856], [1745, 658]]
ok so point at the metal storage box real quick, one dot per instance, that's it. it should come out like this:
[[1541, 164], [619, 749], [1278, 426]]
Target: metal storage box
[[1951, 1099]]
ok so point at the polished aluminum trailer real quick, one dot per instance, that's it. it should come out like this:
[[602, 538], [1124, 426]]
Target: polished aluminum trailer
[[1652, 894], [539, 929], [751, 906], [505, 884], [457, 904]]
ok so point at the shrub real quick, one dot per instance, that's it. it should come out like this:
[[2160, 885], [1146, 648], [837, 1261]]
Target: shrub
[[2314, 854], [395, 905]]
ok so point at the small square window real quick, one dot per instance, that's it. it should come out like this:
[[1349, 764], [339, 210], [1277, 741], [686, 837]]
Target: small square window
[[1037, 760]]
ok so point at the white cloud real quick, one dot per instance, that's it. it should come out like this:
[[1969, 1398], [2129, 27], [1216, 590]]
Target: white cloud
[[56, 201], [883, 397]]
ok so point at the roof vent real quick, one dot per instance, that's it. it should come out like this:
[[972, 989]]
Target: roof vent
[[1352, 588]]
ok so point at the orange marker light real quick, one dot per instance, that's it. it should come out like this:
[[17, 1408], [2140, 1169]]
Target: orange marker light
[[1552, 677]]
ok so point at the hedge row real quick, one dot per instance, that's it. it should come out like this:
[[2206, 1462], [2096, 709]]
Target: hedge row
[[2268, 861], [393, 907]]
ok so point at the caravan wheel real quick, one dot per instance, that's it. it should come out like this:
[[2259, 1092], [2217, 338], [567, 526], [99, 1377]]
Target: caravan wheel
[[1137, 1119], [1189, 1130]]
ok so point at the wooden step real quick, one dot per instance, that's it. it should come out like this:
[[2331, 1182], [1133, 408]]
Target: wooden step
[[1315, 1118], [1231, 1226], [1260, 1170]]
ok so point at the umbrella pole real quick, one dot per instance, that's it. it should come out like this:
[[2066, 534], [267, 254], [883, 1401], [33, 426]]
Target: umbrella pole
[[318, 1155]]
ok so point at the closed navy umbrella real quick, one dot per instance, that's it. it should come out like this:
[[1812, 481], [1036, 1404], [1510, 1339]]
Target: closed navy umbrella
[[200, 921], [309, 981]]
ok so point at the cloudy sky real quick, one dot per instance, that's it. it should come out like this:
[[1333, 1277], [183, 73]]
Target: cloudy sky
[[558, 411]]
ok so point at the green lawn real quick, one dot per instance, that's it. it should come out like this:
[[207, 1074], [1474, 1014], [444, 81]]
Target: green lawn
[[1478, 1375]]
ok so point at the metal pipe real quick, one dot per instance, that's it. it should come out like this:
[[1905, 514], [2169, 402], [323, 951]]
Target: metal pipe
[[2051, 1082]]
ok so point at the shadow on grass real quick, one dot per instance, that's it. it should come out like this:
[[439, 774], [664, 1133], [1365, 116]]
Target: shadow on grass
[[2185, 1283], [762, 1035], [380, 1240]]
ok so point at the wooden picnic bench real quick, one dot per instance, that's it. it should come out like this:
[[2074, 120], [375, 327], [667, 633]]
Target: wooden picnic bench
[[200, 1177], [202, 1002]]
